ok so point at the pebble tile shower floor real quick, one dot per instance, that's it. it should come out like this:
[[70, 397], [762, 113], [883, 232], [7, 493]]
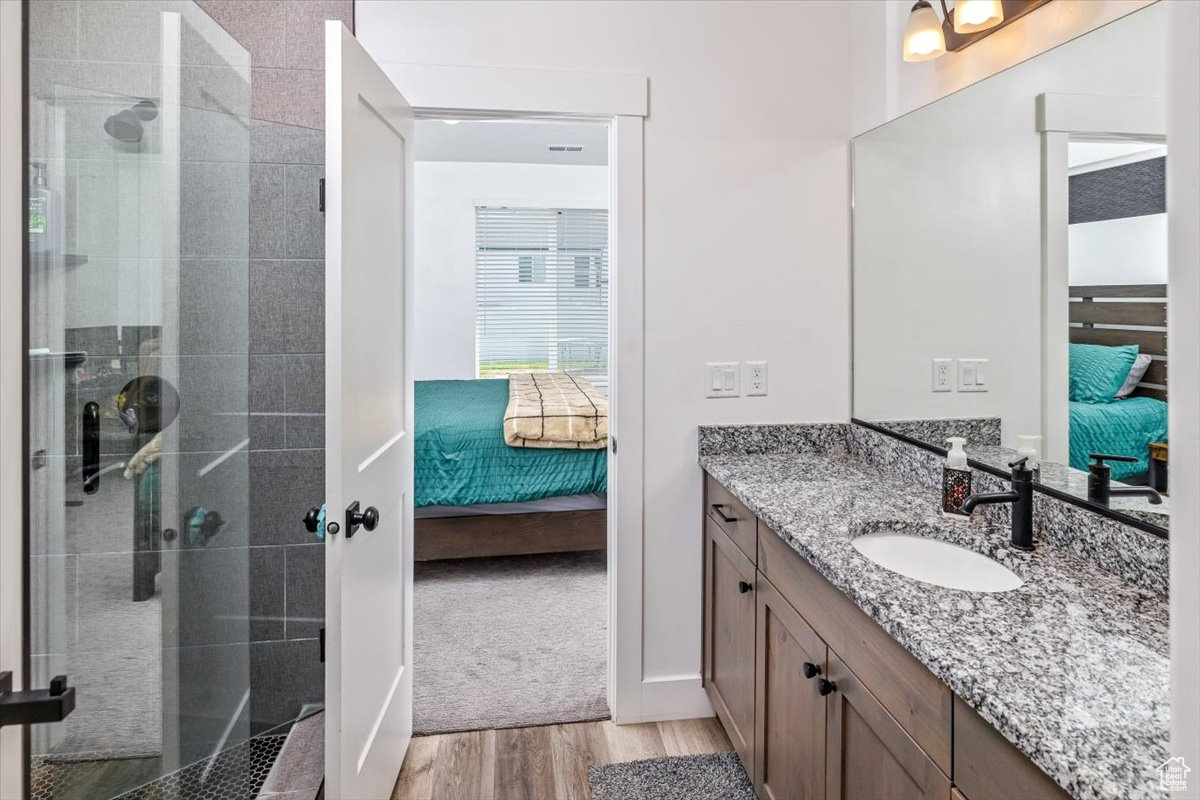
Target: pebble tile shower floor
[[236, 774]]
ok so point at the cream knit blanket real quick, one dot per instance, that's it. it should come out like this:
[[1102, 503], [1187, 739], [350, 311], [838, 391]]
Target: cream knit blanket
[[555, 409]]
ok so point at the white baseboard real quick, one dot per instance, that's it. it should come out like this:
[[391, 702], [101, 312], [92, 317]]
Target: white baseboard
[[672, 697]]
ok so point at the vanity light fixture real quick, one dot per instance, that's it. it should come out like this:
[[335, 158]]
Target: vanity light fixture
[[961, 26], [923, 36], [972, 16]]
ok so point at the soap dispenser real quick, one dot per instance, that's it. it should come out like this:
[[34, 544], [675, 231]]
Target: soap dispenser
[[956, 479]]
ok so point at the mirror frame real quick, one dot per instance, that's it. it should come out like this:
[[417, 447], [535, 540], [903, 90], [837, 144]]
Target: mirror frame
[[1050, 491]]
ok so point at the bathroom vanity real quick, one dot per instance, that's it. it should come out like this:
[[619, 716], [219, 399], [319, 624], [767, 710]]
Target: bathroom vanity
[[837, 677]]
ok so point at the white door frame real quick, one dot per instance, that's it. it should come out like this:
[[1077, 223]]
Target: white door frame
[[1059, 117], [12, 385], [622, 101]]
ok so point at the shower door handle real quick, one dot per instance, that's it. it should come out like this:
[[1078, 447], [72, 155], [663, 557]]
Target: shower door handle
[[91, 448], [42, 705]]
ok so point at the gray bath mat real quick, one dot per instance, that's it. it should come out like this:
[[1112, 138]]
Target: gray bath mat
[[714, 776], [509, 642]]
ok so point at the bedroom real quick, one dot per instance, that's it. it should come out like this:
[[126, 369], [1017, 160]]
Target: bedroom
[[511, 265]]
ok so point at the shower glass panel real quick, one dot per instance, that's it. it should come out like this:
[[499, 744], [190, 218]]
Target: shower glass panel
[[138, 143]]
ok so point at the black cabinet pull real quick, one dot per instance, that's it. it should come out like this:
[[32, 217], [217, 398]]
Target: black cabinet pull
[[825, 687], [716, 507], [91, 448], [811, 670], [744, 587]]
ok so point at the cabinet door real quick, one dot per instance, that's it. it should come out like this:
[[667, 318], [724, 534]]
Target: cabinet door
[[789, 746], [729, 638], [868, 753]]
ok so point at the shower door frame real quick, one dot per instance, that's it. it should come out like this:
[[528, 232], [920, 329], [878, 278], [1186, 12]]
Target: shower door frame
[[14, 740]]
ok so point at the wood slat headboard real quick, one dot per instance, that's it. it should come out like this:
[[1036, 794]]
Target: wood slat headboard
[[1102, 314]]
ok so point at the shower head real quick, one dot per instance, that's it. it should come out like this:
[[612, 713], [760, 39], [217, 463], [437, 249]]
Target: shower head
[[126, 125]]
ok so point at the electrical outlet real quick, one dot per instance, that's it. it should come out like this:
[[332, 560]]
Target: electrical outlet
[[756, 379], [972, 374], [943, 374], [721, 379]]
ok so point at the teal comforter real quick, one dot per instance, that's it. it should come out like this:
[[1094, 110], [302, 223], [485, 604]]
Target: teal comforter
[[461, 458], [1121, 428]]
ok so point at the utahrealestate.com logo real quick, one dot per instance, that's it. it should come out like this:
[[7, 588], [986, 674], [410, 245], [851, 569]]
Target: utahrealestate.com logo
[[1172, 774]]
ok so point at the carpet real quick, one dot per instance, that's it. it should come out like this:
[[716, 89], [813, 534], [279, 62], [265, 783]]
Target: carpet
[[714, 776], [509, 642]]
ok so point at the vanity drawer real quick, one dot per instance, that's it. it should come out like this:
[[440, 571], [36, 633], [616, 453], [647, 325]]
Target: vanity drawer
[[919, 702], [988, 767], [731, 516]]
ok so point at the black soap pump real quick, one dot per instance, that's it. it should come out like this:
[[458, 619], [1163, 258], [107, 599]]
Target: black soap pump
[[956, 479]]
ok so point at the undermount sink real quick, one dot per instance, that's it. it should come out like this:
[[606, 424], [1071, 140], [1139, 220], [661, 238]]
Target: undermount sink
[[937, 562]]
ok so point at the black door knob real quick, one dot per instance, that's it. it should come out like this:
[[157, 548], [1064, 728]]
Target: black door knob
[[355, 518], [744, 587], [811, 670], [825, 687], [312, 519]]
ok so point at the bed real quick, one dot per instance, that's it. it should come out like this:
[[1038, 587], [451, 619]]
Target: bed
[[1120, 317], [474, 495]]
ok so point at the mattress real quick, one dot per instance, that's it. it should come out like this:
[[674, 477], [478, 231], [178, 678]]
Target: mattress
[[460, 458], [1120, 428], [597, 501]]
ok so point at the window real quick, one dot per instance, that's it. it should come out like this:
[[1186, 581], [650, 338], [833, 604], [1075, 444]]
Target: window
[[541, 291]]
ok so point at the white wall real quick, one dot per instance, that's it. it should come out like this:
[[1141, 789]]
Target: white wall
[[885, 86], [746, 226], [1125, 250], [1183, 198], [445, 194], [948, 245]]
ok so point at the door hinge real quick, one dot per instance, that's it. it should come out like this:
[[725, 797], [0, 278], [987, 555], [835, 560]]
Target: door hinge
[[321, 194], [42, 705], [612, 443], [322, 645]]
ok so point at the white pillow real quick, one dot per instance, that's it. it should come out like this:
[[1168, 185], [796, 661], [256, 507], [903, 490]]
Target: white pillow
[[1140, 365]]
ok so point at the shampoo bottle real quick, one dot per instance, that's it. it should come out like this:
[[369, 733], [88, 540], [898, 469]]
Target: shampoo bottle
[[956, 479]]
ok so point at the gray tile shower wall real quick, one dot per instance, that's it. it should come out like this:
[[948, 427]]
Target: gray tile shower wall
[[286, 281]]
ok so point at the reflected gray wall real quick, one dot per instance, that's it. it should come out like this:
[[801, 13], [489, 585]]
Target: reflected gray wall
[[287, 342]]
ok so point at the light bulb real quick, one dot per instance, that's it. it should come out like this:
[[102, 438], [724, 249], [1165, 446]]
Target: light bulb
[[923, 37], [972, 16]]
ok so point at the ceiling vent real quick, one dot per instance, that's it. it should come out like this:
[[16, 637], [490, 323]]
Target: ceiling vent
[[565, 148]]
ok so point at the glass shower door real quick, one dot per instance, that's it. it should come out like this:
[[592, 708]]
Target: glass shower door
[[138, 237]]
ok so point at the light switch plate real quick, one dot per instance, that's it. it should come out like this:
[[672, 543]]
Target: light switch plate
[[972, 374], [721, 379], [756, 379], [943, 375]]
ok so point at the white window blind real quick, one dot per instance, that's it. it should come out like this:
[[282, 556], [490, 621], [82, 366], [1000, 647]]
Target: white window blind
[[541, 291]]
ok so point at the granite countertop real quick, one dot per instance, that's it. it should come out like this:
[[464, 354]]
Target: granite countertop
[[1072, 667]]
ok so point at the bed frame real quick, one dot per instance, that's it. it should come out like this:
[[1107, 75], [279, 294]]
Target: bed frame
[[1097, 319], [510, 534]]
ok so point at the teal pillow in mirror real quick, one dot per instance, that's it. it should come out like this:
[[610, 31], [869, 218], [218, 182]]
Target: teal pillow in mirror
[[1097, 372]]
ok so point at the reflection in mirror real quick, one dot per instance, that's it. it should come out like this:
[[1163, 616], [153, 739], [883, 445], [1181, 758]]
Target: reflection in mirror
[[1010, 269]]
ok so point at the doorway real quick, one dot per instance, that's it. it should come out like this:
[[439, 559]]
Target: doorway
[[511, 275]]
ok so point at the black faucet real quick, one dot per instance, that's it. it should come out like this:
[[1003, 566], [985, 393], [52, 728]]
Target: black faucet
[[1021, 496], [1100, 488]]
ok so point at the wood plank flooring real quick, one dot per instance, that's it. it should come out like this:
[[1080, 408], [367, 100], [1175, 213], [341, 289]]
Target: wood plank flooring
[[544, 763]]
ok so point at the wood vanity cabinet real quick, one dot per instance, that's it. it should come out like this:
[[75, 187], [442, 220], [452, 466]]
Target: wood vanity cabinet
[[818, 700], [870, 755], [789, 711], [729, 638]]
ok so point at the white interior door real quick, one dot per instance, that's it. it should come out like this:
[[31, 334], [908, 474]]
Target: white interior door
[[368, 395]]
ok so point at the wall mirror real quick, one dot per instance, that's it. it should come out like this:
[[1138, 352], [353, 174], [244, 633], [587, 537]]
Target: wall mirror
[[1010, 269]]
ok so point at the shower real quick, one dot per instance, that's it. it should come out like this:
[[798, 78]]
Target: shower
[[126, 125]]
